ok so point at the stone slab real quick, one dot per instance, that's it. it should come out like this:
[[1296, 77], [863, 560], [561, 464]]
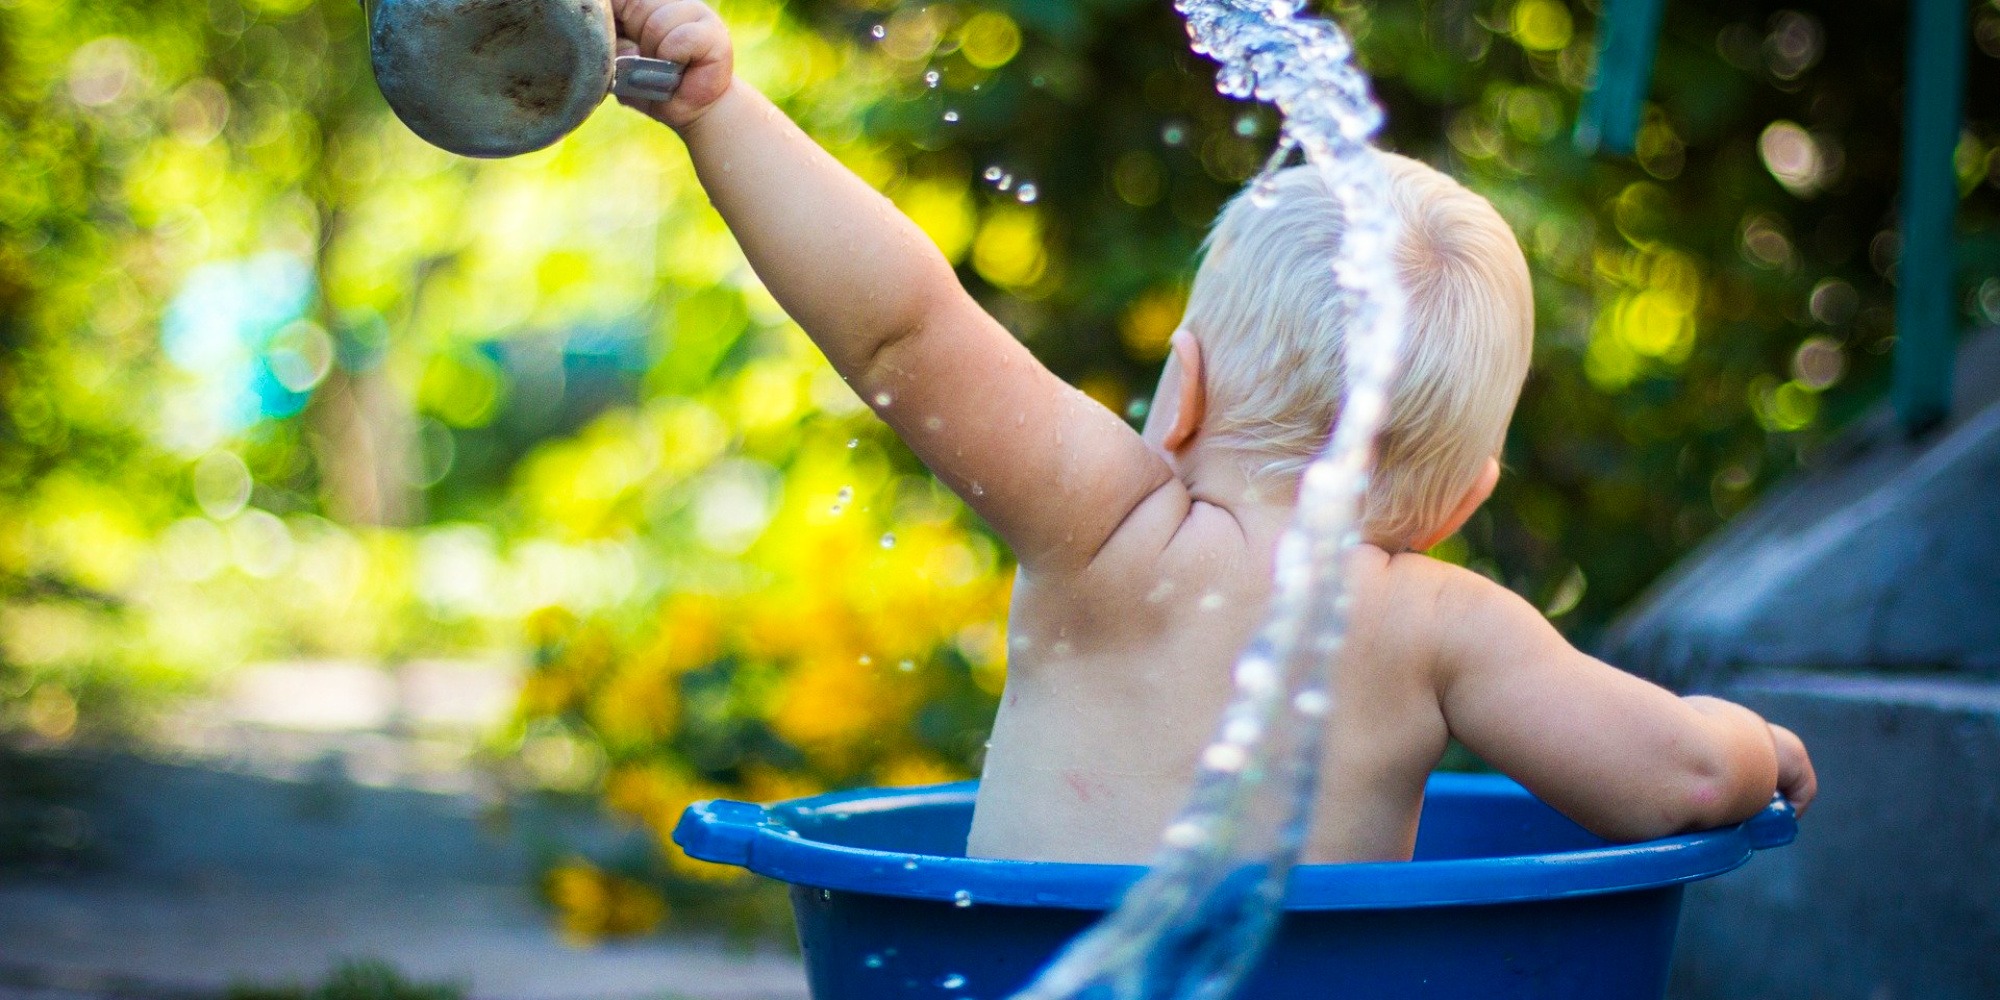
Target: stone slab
[[1892, 891], [1883, 555]]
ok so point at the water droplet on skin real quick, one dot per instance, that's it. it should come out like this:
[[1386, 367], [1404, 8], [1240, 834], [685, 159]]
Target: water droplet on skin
[[952, 981], [951, 116], [978, 490], [1160, 592], [1027, 194], [961, 899], [932, 78], [1211, 601], [933, 423], [883, 399], [872, 961], [1020, 419], [889, 540]]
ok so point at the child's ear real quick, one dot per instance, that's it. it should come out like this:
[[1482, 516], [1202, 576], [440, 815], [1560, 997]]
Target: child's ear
[[1193, 402], [1482, 488]]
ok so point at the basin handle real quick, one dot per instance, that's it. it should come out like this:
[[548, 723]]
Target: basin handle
[[1775, 826], [641, 79], [720, 830]]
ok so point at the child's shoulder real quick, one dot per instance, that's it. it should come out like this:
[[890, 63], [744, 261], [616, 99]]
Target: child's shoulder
[[1430, 602], [1412, 577]]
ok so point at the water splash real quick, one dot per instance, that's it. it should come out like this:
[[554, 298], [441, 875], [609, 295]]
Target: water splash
[[1197, 923]]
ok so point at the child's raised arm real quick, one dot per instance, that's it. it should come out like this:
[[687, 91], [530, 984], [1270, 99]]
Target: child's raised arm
[[1625, 758], [1053, 472]]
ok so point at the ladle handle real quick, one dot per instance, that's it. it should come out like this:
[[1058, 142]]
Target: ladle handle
[[638, 78]]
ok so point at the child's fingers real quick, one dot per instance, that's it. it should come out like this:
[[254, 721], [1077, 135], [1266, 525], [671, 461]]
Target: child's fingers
[[667, 19], [692, 44], [703, 48]]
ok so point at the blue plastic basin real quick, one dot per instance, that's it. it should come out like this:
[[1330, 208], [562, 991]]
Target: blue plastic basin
[[1506, 899]]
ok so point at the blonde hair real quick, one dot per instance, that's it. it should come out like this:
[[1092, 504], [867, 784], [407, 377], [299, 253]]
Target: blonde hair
[[1272, 334]]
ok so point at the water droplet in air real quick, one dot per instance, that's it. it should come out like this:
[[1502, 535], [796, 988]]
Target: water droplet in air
[[889, 540], [1184, 834], [1312, 703], [961, 899], [906, 666], [1173, 135], [952, 981], [826, 895], [951, 116], [872, 961], [932, 78], [1224, 757], [854, 442], [880, 31], [992, 174], [1247, 125], [908, 866], [1027, 193], [867, 660]]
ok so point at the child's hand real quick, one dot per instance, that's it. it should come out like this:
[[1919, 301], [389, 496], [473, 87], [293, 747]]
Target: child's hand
[[1796, 781], [685, 32]]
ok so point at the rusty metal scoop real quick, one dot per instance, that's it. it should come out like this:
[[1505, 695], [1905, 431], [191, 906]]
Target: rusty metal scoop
[[493, 78]]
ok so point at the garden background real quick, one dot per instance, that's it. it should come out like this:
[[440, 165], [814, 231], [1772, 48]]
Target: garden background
[[280, 383]]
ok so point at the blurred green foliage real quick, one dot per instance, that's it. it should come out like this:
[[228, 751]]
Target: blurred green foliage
[[359, 979], [276, 379]]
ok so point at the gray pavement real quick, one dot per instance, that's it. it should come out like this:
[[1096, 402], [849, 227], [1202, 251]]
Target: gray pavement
[[107, 935], [315, 814]]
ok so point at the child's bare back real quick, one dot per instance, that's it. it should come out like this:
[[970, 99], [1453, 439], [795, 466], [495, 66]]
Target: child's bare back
[[1145, 558]]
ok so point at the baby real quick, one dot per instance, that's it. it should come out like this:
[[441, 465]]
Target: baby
[[1146, 558]]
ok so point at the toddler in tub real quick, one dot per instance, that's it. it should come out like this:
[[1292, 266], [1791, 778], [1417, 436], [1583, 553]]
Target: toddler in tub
[[1146, 558]]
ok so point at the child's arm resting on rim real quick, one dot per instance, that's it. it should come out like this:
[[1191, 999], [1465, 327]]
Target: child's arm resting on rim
[[1624, 757], [1053, 472]]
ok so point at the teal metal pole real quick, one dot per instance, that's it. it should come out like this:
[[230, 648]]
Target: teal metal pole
[[1926, 313], [1627, 35]]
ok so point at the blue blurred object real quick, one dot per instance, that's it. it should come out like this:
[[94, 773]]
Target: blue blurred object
[[1507, 899]]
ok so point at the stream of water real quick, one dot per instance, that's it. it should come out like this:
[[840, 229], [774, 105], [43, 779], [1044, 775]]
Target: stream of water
[[1198, 921]]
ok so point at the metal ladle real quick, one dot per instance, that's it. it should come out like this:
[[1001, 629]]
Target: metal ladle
[[492, 78]]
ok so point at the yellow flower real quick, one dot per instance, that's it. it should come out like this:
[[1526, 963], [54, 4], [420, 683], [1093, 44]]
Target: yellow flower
[[918, 769], [592, 903]]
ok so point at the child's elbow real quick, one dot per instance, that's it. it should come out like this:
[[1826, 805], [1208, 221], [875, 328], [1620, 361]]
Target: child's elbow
[[1726, 787]]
